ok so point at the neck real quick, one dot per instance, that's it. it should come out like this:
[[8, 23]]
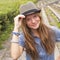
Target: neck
[[35, 33]]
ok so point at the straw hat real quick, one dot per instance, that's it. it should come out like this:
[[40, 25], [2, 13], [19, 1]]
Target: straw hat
[[29, 8]]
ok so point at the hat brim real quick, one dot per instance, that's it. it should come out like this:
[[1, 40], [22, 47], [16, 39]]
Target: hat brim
[[31, 12]]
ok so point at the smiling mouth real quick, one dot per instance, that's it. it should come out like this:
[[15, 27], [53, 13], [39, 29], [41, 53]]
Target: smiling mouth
[[34, 25]]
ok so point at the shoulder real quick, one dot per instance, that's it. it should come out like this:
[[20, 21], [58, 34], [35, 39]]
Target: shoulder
[[56, 29], [57, 32]]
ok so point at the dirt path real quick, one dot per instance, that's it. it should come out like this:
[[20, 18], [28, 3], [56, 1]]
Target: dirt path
[[5, 53]]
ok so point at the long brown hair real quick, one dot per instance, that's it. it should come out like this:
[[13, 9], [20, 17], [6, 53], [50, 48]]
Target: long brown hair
[[46, 35]]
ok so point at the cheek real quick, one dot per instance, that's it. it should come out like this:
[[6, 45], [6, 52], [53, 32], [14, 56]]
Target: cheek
[[38, 20], [28, 23]]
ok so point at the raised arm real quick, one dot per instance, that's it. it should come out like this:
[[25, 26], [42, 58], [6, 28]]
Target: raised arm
[[16, 49]]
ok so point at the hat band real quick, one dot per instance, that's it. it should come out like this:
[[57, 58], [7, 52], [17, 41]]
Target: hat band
[[29, 12]]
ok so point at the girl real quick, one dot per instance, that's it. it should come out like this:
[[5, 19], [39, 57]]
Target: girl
[[37, 39]]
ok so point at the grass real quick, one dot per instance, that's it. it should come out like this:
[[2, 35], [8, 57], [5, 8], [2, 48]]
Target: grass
[[8, 5]]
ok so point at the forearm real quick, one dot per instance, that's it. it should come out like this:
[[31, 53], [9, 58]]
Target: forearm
[[58, 58], [15, 52]]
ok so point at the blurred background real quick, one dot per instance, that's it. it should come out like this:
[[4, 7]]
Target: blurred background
[[10, 8]]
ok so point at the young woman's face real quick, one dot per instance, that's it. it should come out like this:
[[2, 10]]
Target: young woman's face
[[33, 21]]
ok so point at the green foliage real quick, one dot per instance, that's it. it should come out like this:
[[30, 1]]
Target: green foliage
[[10, 5], [8, 10], [4, 36]]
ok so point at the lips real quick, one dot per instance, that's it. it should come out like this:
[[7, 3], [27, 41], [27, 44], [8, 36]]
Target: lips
[[34, 25]]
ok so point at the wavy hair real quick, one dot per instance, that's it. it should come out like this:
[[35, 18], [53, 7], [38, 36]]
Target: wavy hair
[[46, 35]]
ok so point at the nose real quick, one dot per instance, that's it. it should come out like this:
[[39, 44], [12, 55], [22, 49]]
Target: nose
[[33, 20]]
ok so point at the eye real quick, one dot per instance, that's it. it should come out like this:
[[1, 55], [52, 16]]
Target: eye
[[28, 19], [35, 16]]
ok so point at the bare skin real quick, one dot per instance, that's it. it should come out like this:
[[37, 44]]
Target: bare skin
[[16, 50], [58, 58]]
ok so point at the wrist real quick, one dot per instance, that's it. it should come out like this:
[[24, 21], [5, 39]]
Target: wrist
[[14, 41], [16, 29], [16, 33]]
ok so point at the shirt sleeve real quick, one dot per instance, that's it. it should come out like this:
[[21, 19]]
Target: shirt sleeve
[[57, 33], [21, 40]]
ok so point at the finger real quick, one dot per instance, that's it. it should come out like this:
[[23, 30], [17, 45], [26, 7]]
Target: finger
[[21, 16]]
